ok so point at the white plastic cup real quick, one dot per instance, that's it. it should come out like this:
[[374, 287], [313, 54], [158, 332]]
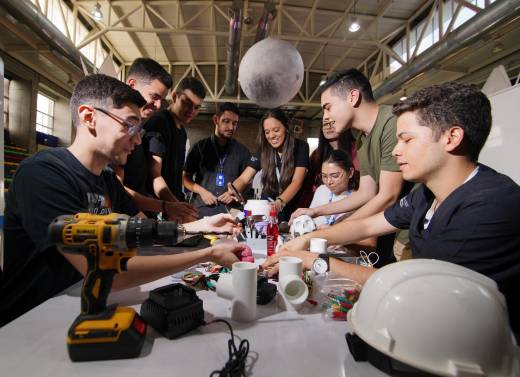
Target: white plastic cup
[[318, 245]]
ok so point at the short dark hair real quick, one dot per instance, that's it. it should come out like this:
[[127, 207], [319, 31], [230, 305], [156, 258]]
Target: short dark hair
[[343, 81], [193, 84], [439, 107], [103, 91], [227, 106], [148, 70]]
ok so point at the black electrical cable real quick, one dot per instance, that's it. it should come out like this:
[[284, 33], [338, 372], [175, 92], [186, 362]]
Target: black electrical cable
[[236, 365]]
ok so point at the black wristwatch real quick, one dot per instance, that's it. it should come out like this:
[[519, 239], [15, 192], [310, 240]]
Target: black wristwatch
[[321, 264]]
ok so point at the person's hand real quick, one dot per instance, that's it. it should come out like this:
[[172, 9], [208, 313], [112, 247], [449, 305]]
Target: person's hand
[[302, 211], [278, 205], [227, 253], [226, 198], [223, 222], [237, 196], [299, 243], [271, 263], [207, 197], [180, 212]]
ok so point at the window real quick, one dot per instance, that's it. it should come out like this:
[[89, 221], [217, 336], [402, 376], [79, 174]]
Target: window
[[6, 102], [45, 114], [432, 31], [61, 15]]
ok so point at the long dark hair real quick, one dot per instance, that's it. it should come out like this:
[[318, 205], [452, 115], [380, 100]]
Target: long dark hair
[[268, 155]]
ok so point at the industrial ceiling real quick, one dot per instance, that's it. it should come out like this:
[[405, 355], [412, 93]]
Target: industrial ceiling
[[192, 38]]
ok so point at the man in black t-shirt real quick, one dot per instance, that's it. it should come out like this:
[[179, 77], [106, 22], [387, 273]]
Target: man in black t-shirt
[[165, 139], [61, 181], [152, 81], [214, 161], [464, 212]]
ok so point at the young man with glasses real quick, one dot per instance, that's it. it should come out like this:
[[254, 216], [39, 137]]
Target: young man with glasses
[[152, 81], [215, 161], [348, 102], [58, 181], [166, 138]]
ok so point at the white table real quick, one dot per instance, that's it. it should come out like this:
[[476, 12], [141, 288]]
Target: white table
[[281, 343]]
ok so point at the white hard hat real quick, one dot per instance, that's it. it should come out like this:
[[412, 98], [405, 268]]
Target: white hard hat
[[438, 317]]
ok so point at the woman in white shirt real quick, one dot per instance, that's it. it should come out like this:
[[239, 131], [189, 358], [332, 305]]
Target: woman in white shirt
[[336, 172]]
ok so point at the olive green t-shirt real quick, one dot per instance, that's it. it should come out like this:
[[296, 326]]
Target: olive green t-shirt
[[375, 149]]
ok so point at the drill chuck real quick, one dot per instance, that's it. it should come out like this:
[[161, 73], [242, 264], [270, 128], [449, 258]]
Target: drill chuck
[[146, 232]]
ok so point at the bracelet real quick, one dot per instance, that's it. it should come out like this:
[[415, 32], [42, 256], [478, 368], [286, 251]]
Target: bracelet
[[281, 201]]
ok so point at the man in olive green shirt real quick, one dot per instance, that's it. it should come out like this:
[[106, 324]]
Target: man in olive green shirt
[[348, 102]]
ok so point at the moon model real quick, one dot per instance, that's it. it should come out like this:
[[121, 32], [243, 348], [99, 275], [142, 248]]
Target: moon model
[[271, 72]]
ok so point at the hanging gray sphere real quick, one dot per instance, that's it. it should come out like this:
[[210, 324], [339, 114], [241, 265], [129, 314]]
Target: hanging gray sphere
[[271, 72]]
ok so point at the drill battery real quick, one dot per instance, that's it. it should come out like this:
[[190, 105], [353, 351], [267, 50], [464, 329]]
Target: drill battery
[[115, 333]]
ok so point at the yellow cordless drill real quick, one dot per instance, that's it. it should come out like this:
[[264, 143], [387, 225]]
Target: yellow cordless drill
[[108, 242]]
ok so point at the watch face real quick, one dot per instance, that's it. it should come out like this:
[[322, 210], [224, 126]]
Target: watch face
[[320, 266]]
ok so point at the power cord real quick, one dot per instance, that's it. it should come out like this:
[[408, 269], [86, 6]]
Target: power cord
[[236, 364]]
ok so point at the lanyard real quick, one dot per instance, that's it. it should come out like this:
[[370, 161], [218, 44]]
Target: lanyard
[[221, 160], [331, 219], [276, 167]]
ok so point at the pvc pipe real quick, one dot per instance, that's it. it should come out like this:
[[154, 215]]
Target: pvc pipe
[[240, 288]]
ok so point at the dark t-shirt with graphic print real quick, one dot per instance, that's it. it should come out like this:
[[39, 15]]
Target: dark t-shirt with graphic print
[[46, 185]]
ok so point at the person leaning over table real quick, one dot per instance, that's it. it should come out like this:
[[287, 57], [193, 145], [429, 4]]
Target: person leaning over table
[[463, 212], [283, 159], [106, 114], [152, 81], [336, 174], [348, 103], [330, 140]]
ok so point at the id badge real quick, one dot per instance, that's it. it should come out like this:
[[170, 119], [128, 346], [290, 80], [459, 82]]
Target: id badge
[[220, 181]]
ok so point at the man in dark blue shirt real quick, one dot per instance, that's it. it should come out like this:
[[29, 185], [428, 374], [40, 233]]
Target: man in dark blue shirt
[[464, 212], [214, 161]]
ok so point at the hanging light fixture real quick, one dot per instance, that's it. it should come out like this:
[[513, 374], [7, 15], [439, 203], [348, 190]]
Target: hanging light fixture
[[96, 12], [354, 24]]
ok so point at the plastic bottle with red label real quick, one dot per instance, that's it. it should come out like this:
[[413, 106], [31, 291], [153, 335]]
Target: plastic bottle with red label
[[272, 231]]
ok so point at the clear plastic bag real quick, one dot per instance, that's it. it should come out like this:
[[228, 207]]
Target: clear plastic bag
[[337, 296]]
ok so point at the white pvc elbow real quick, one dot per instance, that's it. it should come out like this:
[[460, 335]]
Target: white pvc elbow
[[293, 289], [240, 287]]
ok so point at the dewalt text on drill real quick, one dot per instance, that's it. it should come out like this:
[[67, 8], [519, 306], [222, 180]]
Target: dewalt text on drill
[[107, 242]]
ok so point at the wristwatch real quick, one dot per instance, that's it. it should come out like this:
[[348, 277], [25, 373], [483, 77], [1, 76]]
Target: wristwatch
[[321, 264]]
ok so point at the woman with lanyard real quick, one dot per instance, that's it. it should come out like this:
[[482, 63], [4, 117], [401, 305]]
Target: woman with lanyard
[[283, 159], [336, 173]]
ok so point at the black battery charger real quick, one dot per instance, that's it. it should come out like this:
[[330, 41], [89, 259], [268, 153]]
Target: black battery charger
[[173, 310]]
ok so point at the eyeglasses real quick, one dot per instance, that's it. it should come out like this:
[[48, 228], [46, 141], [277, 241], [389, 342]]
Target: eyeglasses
[[131, 128], [329, 123], [334, 176]]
